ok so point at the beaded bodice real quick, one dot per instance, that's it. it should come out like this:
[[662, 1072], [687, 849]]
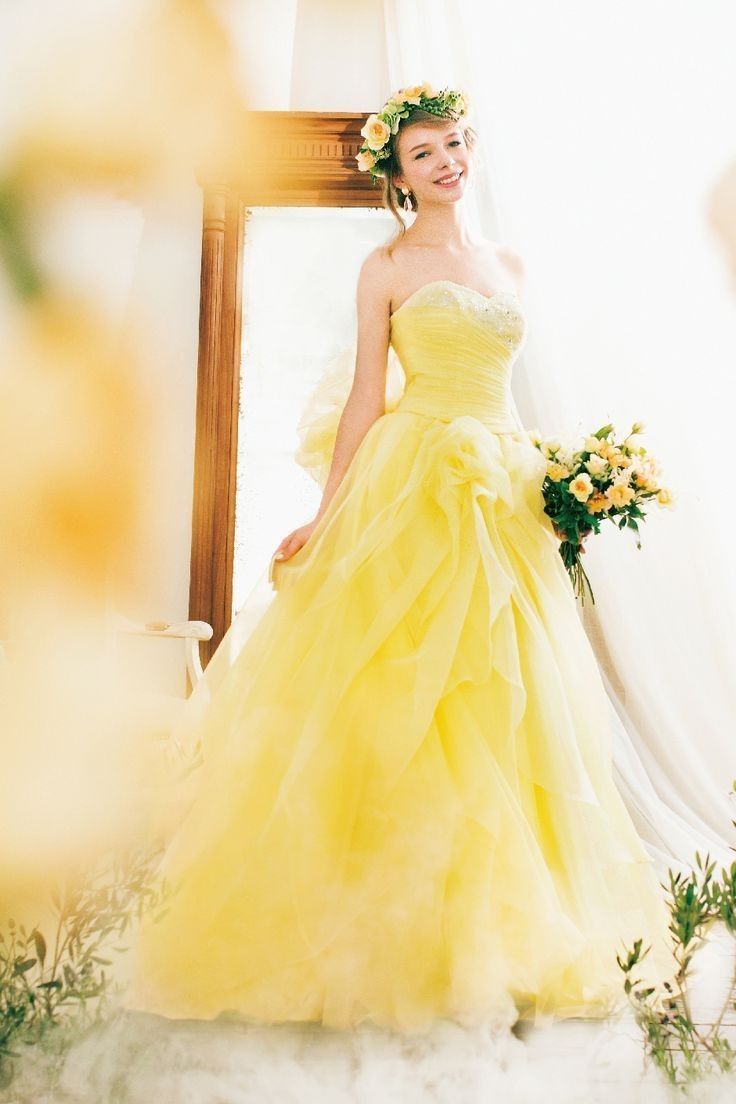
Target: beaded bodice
[[457, 348]]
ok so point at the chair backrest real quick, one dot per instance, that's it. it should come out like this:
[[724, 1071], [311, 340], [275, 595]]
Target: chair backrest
[[190, 631]]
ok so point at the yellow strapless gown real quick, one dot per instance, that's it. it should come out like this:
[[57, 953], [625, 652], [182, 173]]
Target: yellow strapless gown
[[406, 809]]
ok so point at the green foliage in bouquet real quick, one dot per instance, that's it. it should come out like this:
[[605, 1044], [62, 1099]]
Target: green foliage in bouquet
[[603, 479], [683, 1049]]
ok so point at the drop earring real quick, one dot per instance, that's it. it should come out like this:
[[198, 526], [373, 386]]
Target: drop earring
[[407, 201]]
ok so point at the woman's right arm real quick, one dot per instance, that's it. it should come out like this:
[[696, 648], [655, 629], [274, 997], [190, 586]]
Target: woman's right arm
[[366, 401]]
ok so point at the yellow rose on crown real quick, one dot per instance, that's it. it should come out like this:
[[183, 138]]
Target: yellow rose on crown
[[375, 132], [407, 95], [365, 160], [414, 93], [382, 125], [591, 444], [665, 497]]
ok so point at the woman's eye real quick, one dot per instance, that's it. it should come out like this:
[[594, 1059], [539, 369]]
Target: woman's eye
[[455, 142]]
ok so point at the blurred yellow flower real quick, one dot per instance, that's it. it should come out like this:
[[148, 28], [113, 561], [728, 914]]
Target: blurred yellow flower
[[72, 417], [91, 118], [137, 103]]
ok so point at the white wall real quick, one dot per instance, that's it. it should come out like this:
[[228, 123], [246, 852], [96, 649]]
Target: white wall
[[164, 296]]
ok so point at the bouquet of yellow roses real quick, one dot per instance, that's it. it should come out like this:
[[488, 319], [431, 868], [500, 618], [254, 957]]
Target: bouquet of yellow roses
[[601, 479]]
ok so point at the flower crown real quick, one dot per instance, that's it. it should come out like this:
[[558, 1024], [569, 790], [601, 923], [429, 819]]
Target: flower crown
[[380, 127]]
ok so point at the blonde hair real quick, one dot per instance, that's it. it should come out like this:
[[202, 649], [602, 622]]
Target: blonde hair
[[392, 196]]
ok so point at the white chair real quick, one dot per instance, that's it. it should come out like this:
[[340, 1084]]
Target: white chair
[[157, 712], [190, 631], [165, 760], [166, 779]]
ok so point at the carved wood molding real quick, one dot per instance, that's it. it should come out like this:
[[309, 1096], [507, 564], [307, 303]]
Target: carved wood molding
[[290, 158], [303, 159]]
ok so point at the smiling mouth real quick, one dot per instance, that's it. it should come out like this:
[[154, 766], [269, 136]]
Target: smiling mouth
[[449, 181]]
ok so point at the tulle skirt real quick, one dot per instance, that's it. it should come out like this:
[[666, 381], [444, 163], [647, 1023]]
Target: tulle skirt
[[406, 808]]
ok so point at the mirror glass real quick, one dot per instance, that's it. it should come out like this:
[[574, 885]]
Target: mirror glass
[[300, 270]]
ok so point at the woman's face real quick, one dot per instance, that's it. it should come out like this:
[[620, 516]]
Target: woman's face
[[428, 155]]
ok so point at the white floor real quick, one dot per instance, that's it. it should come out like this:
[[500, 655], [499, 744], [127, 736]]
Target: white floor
[[142, 1059], [137, 1058]]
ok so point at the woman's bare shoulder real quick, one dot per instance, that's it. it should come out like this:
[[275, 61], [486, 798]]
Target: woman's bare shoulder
[[374, 279], [377, 260]]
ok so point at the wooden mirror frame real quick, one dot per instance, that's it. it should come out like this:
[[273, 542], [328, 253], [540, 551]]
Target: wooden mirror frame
[[291, 159]]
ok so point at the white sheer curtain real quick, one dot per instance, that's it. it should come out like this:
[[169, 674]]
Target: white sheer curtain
[[600, 135], [601, 132]]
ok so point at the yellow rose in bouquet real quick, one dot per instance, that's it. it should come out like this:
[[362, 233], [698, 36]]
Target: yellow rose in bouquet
[[602, 479]]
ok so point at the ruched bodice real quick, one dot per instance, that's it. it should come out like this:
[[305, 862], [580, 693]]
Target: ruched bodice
[[457, 347]]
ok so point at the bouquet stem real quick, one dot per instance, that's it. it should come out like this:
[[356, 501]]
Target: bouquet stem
[[570, 553]]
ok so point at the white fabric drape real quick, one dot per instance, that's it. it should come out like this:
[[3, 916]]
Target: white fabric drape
[[629, 318]]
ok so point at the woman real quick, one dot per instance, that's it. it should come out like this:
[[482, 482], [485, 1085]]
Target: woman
[[406, 809]]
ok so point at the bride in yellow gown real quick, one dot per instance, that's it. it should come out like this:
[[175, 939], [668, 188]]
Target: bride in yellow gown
[[406, 808]]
